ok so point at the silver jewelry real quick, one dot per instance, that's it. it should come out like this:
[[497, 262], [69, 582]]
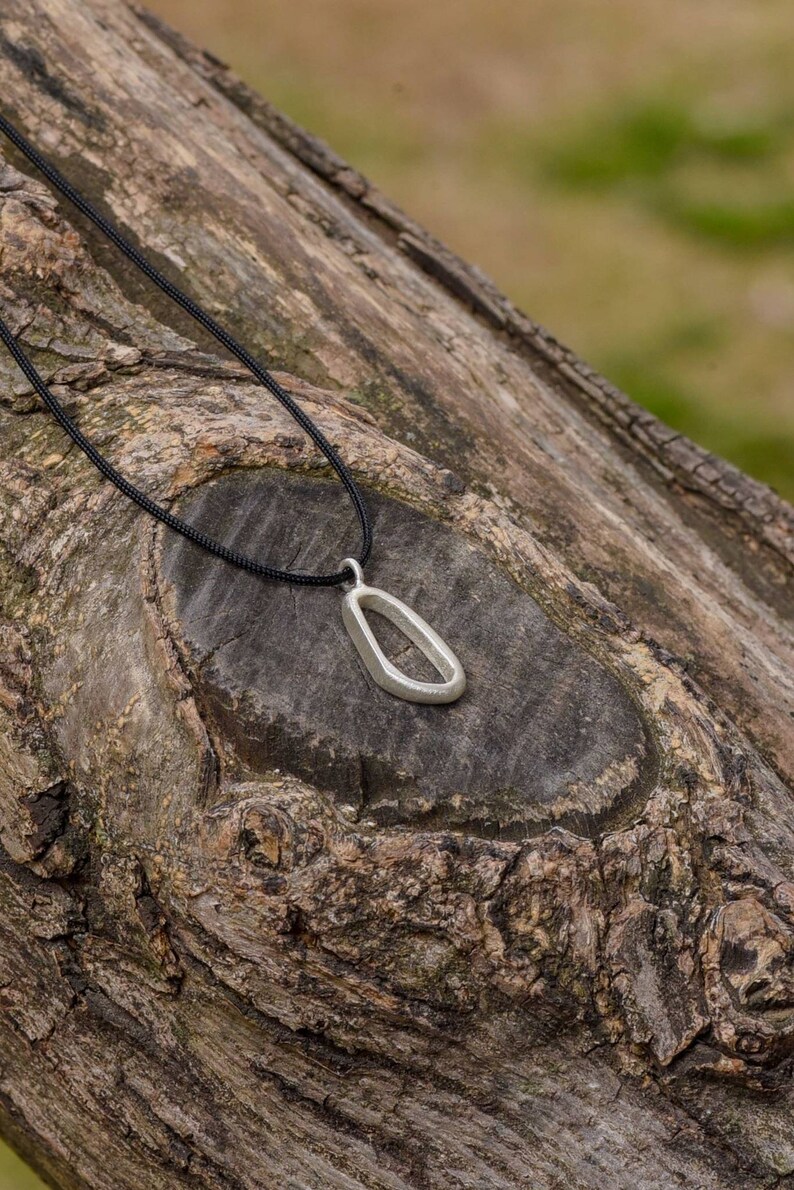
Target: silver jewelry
[[359, 596]]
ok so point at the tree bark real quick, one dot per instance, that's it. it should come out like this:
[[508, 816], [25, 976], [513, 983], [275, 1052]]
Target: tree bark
[[263, 925]]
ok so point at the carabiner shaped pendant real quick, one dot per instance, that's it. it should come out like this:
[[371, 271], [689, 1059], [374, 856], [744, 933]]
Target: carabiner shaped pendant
[[360, 597]]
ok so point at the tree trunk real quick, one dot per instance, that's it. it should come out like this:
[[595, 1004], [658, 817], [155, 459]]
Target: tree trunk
[[262, 924]]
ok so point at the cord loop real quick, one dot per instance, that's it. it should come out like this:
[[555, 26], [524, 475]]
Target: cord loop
[[204, 319]]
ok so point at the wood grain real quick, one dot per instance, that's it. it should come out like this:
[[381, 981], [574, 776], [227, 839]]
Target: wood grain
[[543, 734]]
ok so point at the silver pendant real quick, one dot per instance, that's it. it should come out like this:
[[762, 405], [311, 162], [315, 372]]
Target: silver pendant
[[359, 597]]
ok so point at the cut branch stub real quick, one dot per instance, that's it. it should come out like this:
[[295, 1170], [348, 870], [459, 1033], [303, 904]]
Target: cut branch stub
[[544, 733]]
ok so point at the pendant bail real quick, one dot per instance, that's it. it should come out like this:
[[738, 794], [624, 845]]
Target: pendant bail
[[358, 573]]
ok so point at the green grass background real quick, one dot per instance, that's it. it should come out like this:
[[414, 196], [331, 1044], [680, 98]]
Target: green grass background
[[624, 170], [14, 1174]]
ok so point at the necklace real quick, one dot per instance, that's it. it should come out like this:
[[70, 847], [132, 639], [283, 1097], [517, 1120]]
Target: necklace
[[359, 596]]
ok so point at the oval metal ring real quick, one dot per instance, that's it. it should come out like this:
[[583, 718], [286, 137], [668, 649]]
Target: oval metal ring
[[361, 597]]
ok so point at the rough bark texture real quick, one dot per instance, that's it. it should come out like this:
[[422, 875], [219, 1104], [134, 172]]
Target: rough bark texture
[[261, 924]]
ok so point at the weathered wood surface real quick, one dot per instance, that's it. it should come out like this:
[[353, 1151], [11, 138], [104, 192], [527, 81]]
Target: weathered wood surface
[[260, 924], [545, 735]]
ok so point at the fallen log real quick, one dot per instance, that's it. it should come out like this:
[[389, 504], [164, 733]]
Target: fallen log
[[263, 924]]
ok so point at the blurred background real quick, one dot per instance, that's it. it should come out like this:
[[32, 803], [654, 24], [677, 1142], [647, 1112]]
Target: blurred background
[[624, 169]]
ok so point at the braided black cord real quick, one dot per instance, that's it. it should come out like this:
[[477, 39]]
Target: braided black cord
[[208, 322]]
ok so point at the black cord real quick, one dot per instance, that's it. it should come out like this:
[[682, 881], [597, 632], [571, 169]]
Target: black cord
[[208, 322]]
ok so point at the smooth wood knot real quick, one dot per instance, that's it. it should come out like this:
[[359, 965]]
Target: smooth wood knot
[[543, 734]]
